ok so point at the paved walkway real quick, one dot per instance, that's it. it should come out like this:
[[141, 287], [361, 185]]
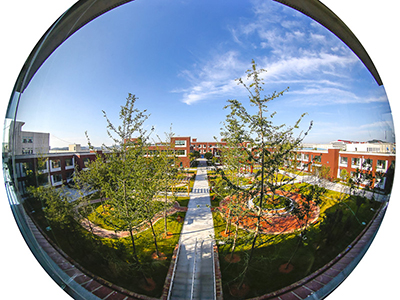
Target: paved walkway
[[194, 278]]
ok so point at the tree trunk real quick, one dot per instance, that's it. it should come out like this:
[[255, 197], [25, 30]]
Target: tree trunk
[[133, 245], [228, 222], [235, 239], [155, 238], [297, 248], [165, 213]]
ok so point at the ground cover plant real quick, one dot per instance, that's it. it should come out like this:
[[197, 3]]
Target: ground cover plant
[[336, 229], [111, 259], [129, 180]]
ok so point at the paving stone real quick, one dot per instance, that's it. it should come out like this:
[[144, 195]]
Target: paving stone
[[102, 292], [302, 292], [314, 285]]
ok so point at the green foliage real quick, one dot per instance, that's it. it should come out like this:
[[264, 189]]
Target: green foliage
[[56, 206], [272, 146], [208, 155]]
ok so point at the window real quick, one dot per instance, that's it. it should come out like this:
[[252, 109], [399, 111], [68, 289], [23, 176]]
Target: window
[[69, 175], [55, 164], [42, 165], [27, 168], [57, 179], [27, 151], [381, 164], [355, 162], [86, 161], [69, 162], [367, 163], [305, 157], [180, 152], [343, 161], [317, 158], [27, 139], [180, 143]]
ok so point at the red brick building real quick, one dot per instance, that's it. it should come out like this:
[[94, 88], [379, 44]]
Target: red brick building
[[338, 160], [59, 167]]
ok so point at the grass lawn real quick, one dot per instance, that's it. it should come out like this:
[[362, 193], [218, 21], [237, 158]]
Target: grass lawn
[[111, 259], [324, 241]]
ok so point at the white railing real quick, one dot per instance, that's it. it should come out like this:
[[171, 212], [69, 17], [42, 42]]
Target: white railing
[[194, 269], [174, 272], [213, 264]]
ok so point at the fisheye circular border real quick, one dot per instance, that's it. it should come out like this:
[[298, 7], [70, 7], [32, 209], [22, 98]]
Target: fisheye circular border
[[383, 256]]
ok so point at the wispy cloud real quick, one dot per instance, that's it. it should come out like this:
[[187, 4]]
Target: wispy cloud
[[314, 63], [214, 78]]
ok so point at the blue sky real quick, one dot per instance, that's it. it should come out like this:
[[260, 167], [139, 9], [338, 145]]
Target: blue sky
[[181, 58]]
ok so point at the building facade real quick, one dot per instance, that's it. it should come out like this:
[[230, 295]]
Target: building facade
[[26, 142], [57, 168]]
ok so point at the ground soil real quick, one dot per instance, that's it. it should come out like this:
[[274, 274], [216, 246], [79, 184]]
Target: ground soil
[[235, 258], [149, 286], [162, 256], [285, 268], [239, 293], [168, 236], [228, 233]]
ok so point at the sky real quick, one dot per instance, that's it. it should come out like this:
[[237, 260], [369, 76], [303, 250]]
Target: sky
[[181, 60], [375, 25]]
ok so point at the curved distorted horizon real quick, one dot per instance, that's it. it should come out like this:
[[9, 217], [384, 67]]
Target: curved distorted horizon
[[181, 60]]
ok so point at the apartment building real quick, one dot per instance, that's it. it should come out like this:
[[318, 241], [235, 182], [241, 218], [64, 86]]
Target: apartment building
[[338, 156], [204, 147], [338, 160], [53, 168], [26, 142]]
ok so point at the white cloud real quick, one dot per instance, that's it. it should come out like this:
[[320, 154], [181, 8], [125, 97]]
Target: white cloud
[[214, 78]]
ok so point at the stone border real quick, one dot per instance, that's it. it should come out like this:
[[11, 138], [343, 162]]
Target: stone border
[[92, 283], [218, 275], [323, 281], [167, 283]]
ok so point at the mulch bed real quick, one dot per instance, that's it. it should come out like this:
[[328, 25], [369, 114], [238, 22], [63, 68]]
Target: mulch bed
[[149, 286], [286, 268], [162, 256], [232, 259], [239, 293]]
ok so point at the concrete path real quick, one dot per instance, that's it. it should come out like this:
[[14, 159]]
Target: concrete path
[[194, 277]]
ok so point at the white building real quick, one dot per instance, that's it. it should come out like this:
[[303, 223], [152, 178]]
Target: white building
[[27, 142]]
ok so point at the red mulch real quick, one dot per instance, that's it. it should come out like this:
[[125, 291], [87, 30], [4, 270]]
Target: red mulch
[[149, 286], [168, 236], [239, 293], [274, 223], [286, 268], [162, 256], [235, 258], [228, 233]]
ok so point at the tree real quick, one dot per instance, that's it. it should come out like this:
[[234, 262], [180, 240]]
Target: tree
[[57, 208], [208, 155], [272, 145], [234, 159], [311, 196], [117, 173], [167, 170]]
